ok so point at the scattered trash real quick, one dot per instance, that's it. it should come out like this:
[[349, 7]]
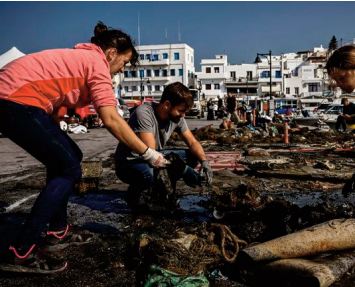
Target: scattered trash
[[165, 278], [91, 173]]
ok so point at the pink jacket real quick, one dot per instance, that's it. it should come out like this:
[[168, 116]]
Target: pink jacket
[[59, 77]]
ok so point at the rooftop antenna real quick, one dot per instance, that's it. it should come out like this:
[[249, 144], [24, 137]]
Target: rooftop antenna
[[139, 32], [179, 32]]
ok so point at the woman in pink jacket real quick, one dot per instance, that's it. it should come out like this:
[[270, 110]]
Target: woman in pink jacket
[[31, 89]]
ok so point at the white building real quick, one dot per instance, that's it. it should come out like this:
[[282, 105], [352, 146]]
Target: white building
[[212, 76], [242, 81], [159, 66], [263, 71]]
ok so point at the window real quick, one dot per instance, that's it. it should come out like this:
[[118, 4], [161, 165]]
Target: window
[[216, 70], [157, 87], [297, 90], [147, 57], [134, 74], [155, 57], [126, 88], [165, 55], [142, 88], [149, 88], [141, 56], [141, 73], [125, 74], [249, 75], [176, 56], [134, 88], [208, 86], [165, 73], [233, 75], [287, 91], [149, 73], [208, 70], [181, 72], [265, 74], [278, 74], [156, 73], [172, 72], [313, 87], [216, 86]]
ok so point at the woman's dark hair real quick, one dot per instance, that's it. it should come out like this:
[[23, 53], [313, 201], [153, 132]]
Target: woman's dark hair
[[342, 58], [176, 93], [112, 38]]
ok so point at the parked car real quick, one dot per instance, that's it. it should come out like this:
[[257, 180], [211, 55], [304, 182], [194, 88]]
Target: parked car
[[332, 113], [123, 109], [321, 108], [195, 111], [285, 110]]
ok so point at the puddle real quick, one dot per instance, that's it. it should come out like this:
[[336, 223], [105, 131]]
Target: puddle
[[313, 198]]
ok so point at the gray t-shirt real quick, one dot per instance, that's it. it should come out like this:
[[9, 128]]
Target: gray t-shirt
[[143, 119]]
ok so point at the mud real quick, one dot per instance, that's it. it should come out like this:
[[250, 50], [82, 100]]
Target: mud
[[266, 200]]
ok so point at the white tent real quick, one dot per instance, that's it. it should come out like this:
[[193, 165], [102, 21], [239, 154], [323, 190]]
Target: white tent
[[9, 56]]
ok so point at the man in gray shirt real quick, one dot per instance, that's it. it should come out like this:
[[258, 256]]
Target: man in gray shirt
[[154, 123]]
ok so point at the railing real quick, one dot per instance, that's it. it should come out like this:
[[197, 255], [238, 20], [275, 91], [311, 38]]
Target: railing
[[152, 79], [311, 94], [162, 62], [241, 80]]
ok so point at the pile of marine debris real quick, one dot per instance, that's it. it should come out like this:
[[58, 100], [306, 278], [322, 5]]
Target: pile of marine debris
[[302, 244], [271, 135]]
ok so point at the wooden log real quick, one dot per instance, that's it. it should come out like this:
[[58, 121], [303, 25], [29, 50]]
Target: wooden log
[[305, 173], [334, 235], [319, 272]]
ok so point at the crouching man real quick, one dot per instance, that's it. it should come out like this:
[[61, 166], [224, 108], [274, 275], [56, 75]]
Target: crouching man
[[154, 123]]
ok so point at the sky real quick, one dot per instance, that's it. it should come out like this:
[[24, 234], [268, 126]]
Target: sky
[[237, 29]]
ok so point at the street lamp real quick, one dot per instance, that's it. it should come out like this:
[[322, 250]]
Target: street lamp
[[258, 60], [142, 81], [247, 91]]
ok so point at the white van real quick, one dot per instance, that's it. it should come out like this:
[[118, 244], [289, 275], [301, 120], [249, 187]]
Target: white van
[[195, 111]]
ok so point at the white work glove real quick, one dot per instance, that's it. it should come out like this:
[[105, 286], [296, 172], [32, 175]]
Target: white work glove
[[154, 158], [207, 170]]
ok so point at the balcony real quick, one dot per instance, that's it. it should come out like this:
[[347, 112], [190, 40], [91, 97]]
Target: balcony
[[241, 83], [241, 80], [161, 62], [314, 95], [137, 80], [146, 94], [275, 88], [211, 76]]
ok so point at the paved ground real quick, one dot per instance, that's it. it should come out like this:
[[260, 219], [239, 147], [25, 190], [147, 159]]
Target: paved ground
[[97, 144]]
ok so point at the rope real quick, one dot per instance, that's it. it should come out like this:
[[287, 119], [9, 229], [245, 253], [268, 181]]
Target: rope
[[227, 236]]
